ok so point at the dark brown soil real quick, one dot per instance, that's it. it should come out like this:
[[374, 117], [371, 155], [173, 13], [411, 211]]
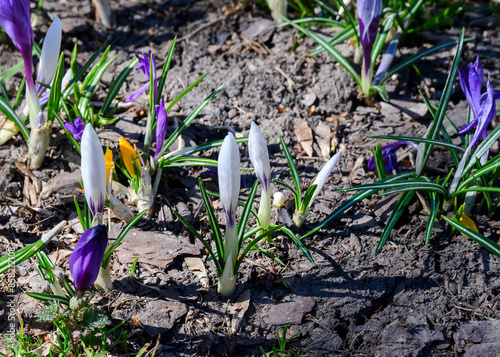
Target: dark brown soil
[[410, 300]]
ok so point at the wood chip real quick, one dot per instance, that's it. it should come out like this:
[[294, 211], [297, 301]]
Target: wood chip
[[238, 310], [304, 136], [198, 268]]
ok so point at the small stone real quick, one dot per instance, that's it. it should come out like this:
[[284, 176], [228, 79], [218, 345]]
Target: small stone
[[289, 312], [158, 316]]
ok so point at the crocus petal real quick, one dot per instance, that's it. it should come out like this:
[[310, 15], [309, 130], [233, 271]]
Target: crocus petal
[[369, 16], [129, 157], [229, 176], [323, 175], [110, 165], [387, 59], [468, 127], [487, 112], [161, 127], [93, 170], [16, 22], [468, 222], [259, 156], [475, 85], [137, 93], [86, 259], [50, 55]]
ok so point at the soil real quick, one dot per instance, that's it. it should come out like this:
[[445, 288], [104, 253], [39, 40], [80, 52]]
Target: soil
[[410, 300]]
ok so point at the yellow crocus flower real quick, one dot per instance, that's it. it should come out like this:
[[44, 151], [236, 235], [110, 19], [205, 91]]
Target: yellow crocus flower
[[129, 156]]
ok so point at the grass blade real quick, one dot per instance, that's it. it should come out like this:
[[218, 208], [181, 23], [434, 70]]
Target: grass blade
[[299, 243], [294, 172], [330, 49], [212, 218], [487, 243], [424, 153], [401, 205], [353, 201]]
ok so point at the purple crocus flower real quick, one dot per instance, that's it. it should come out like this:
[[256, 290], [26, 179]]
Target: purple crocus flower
[[369, 16], [471, 82], [15, 20], [161, 126], [144, 66], [86, 259], [482, 104], [485, 111], [76, 128], [389, 155]]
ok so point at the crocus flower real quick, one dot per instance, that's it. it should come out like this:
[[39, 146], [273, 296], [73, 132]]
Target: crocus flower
[[93, 170], [50, 55], [389, 155], [144, 65], [229, 188], [16, 22], [129, 157], [369, 16], [161, 127], [86, 259], [259, 156], [75, 128], [482, 104], [110, 165], [300, 215]]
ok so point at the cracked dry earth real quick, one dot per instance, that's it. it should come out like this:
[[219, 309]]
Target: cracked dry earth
[[410, 300]]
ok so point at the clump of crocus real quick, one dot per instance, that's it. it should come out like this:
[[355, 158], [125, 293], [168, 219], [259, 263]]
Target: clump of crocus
[[259, 156], [15, 20], [85, 261], [389, 156], [483, 108], [369, 17], [229, 188]]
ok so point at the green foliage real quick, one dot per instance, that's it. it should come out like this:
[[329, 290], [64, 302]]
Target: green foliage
[[283, 348]]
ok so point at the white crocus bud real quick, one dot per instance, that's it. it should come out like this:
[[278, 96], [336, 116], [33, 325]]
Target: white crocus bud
[[38, 142], [278, 9], [278, 200], [229, 188], [319, 181], [259, 156], [50, 55], [93, 171]]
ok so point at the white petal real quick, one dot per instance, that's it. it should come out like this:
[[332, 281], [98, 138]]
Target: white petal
[[259, 156], [323, 176], [229, 174], [50, 52], [93, 170]]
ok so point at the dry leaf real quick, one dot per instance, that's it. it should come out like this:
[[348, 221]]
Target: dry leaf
[[323, 133]]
